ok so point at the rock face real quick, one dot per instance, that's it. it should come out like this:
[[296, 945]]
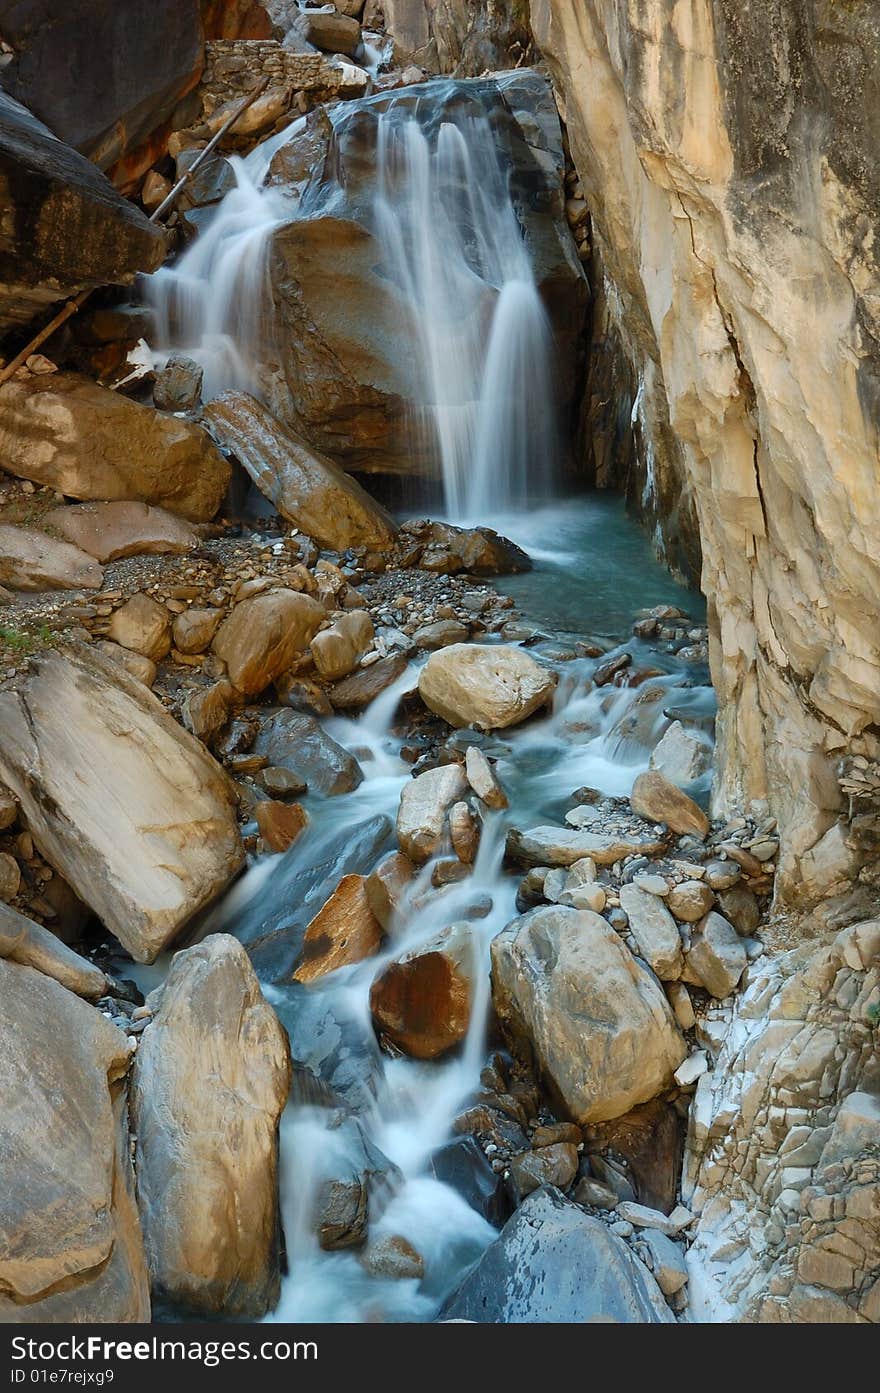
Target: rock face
[[211, 1078], [29, 560], [263, 635], [90, 443], [728, 191], [110, 531], [553, 1263], [67, 228], [70, 1243], [598, 1024], [103, 78], [307, 488], [132, 810], [782, 1155], [350, 359], [491, 686]]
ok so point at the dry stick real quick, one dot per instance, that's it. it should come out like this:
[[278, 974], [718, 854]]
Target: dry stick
[[78, 300]]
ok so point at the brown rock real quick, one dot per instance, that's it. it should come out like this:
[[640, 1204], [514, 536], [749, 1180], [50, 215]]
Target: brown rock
[[345, 930], [111, 531], [394, 1257], [387, 885], [690, 900], [10, 878], [280, 823], [482, 779], [422, 1001], [193, 630], [550, 1165], [23, 941], [653, 797], [29, 560], [490, 686], [421, 816], [646, 1144], [144, 626], [464, 830], [141, 668], [87, 442], [364, 686], [263, 634], [336, 650], [206, 710]]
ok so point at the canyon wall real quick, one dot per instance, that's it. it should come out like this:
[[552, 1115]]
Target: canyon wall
[[728, 154]]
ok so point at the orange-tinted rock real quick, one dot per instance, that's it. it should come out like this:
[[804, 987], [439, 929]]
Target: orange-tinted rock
[[387, 885], [422, 1001], [280, 823], [344, 931]]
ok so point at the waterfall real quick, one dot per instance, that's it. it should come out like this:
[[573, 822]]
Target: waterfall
[[446, 218]]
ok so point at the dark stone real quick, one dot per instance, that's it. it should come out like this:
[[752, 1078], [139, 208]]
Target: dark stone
[[178, 387], [364, 686], [554, 1264], [297, 742], [642, 1154], [102, 77], [65, 228], [462, 1165], [357, 1180]]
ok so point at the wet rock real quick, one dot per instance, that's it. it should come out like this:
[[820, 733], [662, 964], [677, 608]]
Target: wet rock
[[653, 797], [548, 1165], [144, 626], [211, 1078], [690, 900], [462, 1165], [67, 228], [482, 779], [262, 636], [562, 846], [193, 630], [178, 386], [716, 958], [491, 687], [364, 686], [132, 811], [305, 486], [336, 650], [553, 1263], [111, 531], [345, 930], [299, 743], [90, 443], [302, 694], [422, 1001], [464, 831], [387, 885], [355, 1180], [654, 930], [598, 1024], [393, 1257], [29, 560], [280, 823], [680, 755], [424, 802], [280, 783], [70, 1243], [22, 941]]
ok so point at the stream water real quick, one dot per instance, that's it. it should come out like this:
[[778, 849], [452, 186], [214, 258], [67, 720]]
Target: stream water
[[443, 209]]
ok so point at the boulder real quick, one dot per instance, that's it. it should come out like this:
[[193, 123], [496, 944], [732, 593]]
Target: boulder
[[70, 1243], [141, 668], [441, 634], [690, 900], [654, 930], [178, 385], [387, 885], [111, 531], [490, 686], [306, 487], [462, 1164], [562, 846], [336, 650], [716, 958], [333, 32], [23, 941], [263, 634], [280, 823], [295, 741], [546, 1165], [644, 1148], [87, 442], [193, 630], [210, 1081], [352, 1181], [482, 779], [421, 1001], [345, 930], [364, 686], [66, 229], [553, 1263], [132, 811], [598, 1024], [654, 798], [681, 755], [144, 626], [29, 560], [424, 802]]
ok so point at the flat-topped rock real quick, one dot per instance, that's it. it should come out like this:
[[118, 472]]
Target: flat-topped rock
[[29, 560], [562, 846], [111, 531]]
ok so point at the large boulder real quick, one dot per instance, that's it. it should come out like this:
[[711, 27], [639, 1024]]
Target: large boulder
[[67, 228], [29, 560], [23, 941], [488, 685], [210, 1081], [295, 741], [597, 1022], [87, 442], [132, 810], [70, 1243], [305, 486], [553, 1263], [263, 635], [349, 345], [111, 531]]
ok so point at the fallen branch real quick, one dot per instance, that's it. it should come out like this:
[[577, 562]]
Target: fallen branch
[[72, 305]]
